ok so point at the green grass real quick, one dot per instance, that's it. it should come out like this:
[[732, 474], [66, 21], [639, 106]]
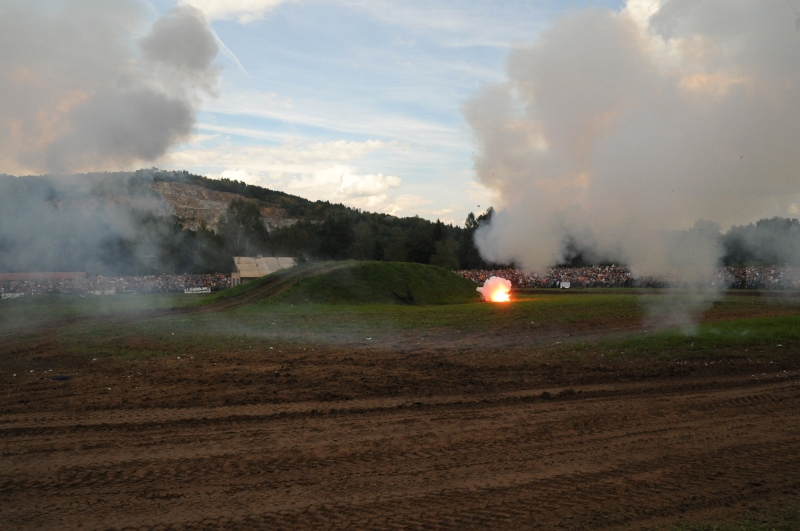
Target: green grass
[[743, 336], [39, 310], [262, 325], [266, 324], [242, 289], [270, 322], [473, 317], [383, 283], [352, 282]]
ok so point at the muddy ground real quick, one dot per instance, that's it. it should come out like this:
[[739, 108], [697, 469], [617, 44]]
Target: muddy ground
[[392, 437]]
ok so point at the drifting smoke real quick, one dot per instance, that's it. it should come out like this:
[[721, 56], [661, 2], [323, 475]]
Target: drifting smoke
[[617, 131], [81, 91], [495, 289], [80, 223]]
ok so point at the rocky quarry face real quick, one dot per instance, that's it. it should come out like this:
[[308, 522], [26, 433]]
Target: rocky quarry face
[[195, 206]]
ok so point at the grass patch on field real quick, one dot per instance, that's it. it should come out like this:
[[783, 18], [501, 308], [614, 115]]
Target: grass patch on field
[[383, 283], [250, 285], [535, 315], [39, 310], [351, 282], [259, 326], [743, 336], [475, 317]]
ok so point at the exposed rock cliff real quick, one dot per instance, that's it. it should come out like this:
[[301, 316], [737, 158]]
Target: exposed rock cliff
[[195, 206]]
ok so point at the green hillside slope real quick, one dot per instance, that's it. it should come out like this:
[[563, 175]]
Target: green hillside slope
[[353, 282], [383, 283]]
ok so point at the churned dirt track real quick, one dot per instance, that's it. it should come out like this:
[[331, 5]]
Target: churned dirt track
[[504, 427], [348, 443]]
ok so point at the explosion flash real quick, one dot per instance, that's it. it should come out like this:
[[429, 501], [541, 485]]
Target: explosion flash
[[496, 289]]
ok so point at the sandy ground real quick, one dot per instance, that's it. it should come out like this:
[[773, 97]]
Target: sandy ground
[[388, 439]]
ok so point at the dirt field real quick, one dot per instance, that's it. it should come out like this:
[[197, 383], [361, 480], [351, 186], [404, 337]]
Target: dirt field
[[396, 436]]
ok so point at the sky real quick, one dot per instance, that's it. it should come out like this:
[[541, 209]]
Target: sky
[[434, 108], [356, 101]]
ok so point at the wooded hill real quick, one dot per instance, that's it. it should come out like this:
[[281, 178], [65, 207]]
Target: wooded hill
[[135, 223], [117, 223]]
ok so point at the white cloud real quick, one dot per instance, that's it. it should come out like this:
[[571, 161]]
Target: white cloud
[[318, 171], [366, 185], [291, 156], [245, 11], [405, 203]]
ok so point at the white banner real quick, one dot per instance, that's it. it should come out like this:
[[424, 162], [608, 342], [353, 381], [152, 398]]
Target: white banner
[[197, 290]]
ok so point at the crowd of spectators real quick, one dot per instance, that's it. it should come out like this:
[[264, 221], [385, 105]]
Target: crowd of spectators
[[101, 285], [611, 276], [614, 276], [760, 277], [597, 276]]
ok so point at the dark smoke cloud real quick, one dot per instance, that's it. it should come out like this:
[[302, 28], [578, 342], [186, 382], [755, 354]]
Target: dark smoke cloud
[[87, 87], [617, 131]]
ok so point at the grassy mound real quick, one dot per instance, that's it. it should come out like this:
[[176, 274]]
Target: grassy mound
[[268, 286], [382, 283]]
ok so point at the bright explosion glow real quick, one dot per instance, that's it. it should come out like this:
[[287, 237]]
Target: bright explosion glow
[[496, 289]]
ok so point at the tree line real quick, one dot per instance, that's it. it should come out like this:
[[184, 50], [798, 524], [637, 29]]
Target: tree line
[[332, 231], [116, 224], [110, 224], [352, 234]]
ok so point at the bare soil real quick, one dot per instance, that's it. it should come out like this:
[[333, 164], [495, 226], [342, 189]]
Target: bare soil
[[397, 437]]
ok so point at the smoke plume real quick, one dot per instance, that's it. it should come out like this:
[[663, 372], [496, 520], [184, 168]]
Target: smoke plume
[[88, 87], [617, 131]]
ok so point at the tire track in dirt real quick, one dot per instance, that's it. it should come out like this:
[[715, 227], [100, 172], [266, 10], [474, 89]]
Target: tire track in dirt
[[591, 462], [136, 419]]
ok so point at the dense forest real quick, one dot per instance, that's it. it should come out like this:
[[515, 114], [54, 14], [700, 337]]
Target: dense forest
[[116, 224], [334, 231]]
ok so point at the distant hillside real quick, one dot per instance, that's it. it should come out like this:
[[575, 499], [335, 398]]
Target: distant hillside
[[153, 221], [197, 206], [294, 206], [313, 229]]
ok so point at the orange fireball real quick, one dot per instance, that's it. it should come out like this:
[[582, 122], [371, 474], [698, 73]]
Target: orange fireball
[[500, 296], [496, 289]]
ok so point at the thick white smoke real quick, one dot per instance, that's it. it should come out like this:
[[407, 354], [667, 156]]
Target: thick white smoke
[[88, 87], [617, 129]]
